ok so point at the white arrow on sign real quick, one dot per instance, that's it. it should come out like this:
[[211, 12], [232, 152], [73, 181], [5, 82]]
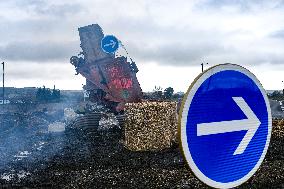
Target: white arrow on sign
[[250, 124], [112, 43]]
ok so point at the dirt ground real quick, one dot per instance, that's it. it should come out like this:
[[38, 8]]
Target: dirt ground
[[76, 159]]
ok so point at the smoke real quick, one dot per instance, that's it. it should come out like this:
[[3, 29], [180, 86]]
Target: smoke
[[41, 51], [25, 142]]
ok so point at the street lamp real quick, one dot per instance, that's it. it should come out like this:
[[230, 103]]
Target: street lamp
[[3, 83], [202, 65], [283, 89]]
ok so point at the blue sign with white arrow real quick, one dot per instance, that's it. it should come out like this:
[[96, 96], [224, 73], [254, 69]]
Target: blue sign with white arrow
[[225, 125], [109, 44]]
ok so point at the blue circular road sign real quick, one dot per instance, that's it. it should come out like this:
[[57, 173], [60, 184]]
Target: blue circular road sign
[[225, 125], [109, 44]]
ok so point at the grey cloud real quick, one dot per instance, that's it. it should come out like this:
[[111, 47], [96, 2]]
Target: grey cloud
[[59, 10], [39, 52], [23, 4], [38, 71], [45, 8], [145, 39], [241, 5], [246, 56], [29, 28], [175, 53], [166, 46], [277, 34], [193, 53], [30, 73], [220, 3]]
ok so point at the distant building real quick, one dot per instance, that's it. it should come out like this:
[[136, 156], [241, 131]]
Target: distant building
[[15, 94]]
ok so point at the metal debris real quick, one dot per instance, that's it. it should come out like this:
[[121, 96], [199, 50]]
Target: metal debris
[[56, 127], [69, 115], [107, 122], [100, 161]]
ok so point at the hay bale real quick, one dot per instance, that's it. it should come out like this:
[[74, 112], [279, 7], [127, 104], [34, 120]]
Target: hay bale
[[278, 127], [150, 125]]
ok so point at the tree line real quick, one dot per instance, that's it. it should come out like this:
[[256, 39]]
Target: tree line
[[47, 95]]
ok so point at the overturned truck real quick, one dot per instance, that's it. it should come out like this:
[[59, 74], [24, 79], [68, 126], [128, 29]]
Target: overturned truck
[[109, 79], [112, 80]]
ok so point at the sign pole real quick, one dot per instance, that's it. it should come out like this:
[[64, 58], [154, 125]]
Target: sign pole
[[2, 123], [202, 66], [3, 82], [283, 89]]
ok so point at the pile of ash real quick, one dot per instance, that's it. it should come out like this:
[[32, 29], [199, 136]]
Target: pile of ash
[[32, 157]]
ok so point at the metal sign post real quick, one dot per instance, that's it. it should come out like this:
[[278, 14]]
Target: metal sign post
[[2, 122], [202, 66], [3, 82]]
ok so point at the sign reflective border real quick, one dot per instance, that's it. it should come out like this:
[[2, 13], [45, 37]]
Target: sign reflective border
[[225, 125]]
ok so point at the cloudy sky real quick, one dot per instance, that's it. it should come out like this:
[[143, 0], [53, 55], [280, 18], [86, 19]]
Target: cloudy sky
[[167, 39]]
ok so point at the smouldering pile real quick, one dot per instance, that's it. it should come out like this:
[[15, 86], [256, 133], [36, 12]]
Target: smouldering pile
[[150, 125]]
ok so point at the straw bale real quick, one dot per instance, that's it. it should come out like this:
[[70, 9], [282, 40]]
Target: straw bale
[[278, 127], [150, 125]]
